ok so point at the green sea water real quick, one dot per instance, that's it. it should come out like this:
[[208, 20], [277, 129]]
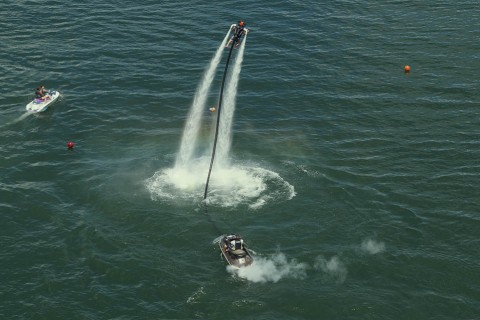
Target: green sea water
[[354, 183]]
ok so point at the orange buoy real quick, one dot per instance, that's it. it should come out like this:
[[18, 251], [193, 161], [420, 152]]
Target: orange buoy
[[407, 69]]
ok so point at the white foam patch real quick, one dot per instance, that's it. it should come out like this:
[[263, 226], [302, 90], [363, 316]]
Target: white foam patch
[[372, 246], [334, 268], [304, 169], [196, 296], [271, 269], [228, 187], [174, 183]]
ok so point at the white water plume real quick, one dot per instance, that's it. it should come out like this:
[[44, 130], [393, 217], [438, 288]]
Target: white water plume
[[190, 133], [372, 246], [229, 186], [333, 268], [271, 269], [228, 109]]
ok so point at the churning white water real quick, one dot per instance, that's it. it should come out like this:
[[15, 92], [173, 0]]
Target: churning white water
[[230, 185]]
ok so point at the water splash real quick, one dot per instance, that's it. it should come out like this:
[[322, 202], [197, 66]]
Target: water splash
[[193, 299], [333, 268], [372, 246], [230, 186], [190, 133], [225, 130], [271, 269]]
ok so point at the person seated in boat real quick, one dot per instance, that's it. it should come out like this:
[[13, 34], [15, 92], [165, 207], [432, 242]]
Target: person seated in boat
[[236, 244], [238, 31], [41, 93]]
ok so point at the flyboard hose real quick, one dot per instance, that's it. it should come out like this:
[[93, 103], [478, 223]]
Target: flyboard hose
[[218, 116]]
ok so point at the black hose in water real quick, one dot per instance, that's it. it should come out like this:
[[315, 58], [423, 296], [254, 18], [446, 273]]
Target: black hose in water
[[214, 224], [218, 116]]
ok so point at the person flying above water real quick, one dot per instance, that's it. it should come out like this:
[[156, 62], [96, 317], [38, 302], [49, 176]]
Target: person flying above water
[[238, 31]]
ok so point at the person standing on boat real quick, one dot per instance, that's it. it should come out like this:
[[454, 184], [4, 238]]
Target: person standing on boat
[[238, 31], [41, 93]]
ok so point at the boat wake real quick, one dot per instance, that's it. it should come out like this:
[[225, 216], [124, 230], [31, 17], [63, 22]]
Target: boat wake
[[271, 269], [330, 269], [22, 117]]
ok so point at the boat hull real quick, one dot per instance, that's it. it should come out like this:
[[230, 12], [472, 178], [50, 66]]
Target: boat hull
[[38, 105]]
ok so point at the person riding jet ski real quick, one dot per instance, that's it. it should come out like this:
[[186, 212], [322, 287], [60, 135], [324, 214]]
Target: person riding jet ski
[[41, 93]]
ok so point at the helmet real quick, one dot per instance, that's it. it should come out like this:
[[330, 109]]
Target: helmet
[[241, 24]]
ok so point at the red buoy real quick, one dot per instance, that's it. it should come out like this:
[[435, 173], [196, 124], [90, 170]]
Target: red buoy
[[407, 69], [70, 145]]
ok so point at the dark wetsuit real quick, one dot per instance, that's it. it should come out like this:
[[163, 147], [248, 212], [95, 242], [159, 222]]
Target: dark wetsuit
[[40, 93], [238, 33]]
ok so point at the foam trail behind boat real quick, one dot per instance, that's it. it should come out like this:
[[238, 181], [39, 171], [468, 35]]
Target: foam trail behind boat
[[225, 134], [23, 116], [190, 132]]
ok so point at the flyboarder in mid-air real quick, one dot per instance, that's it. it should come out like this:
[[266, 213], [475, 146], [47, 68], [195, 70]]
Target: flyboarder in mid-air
[[238, 31]]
